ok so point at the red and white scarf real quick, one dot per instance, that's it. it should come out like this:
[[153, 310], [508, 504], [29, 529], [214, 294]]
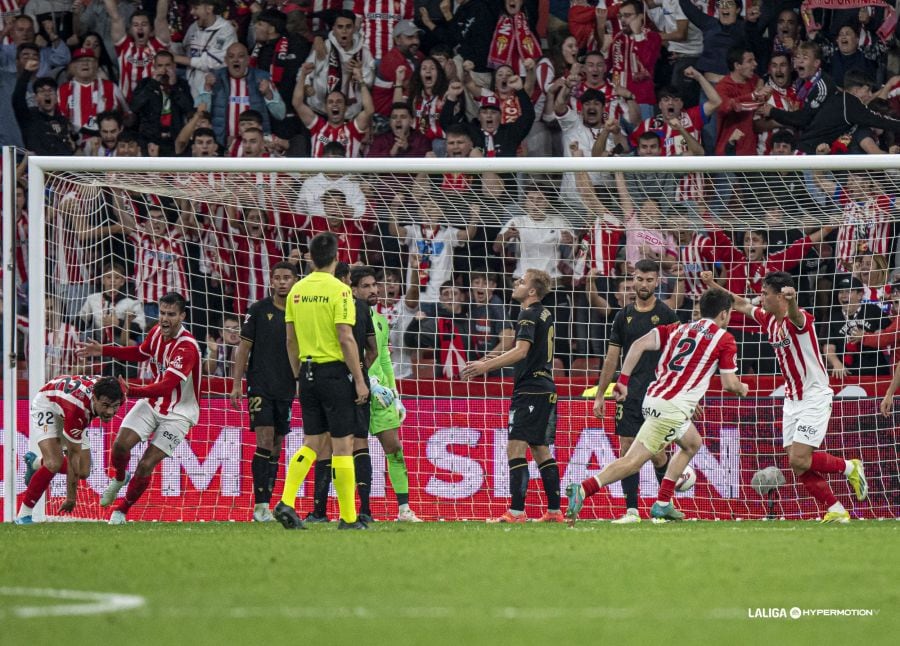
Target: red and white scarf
[[512, 43], [276, 67]]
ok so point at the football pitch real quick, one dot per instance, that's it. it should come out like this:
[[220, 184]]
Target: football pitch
[[450, 583]]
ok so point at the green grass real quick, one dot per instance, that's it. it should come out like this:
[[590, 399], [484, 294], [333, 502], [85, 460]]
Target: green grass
[[457, 583]]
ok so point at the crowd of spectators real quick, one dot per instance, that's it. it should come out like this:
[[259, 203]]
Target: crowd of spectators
[[456, 79]]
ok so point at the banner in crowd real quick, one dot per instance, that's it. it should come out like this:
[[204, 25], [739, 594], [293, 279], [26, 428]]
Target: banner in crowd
[[888, 26], [456, 456]]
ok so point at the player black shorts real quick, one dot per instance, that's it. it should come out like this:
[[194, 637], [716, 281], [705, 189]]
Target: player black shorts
[[327, 399], [629, 417], [363, 416], [265, 411], [532, 418]]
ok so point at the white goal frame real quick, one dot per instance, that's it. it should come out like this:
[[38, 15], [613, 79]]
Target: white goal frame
[[40, 166]]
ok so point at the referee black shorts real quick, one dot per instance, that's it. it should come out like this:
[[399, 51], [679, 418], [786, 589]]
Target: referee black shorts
[[363, 416], [629, 417], [265, 411], [532, 418], [327, 399]]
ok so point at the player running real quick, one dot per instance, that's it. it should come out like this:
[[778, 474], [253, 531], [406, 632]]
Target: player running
[[169, 406], [807, 397], [61, 412], [690, 354]]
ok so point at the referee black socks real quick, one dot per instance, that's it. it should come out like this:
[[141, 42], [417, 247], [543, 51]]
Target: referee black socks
[[320, 490]]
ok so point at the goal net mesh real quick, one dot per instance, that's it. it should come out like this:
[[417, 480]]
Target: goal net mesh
[[447, 247]]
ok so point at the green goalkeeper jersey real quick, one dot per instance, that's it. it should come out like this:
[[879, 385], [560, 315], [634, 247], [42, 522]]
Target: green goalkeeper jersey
[[382, 368]]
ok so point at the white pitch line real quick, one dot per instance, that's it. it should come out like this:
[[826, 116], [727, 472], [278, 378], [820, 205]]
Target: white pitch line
[[97, 602]]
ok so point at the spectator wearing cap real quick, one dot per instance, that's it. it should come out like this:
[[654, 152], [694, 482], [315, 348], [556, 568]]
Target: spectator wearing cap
[[401, 140], [236, 88], [85, 96], [404, 54], [378, 20], [281, 55], [45, 131], [161, 104], [205, 42], [53, 56], [335, 60], [495, 139], [844, 354], [94, 16], [742, 92]]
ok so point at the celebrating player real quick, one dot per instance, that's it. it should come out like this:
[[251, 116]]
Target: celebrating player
[[631, 323], [532, 410], [807, 403], [169, 406], [690, 354], [270, 384], [61, 412]]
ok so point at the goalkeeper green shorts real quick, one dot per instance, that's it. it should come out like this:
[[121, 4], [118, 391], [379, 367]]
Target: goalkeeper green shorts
[[383, 419]]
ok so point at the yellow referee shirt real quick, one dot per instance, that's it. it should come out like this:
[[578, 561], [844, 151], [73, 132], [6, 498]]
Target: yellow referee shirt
[[314, 306]]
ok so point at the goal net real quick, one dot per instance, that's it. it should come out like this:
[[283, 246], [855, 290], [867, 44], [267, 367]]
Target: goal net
[[108, 237]]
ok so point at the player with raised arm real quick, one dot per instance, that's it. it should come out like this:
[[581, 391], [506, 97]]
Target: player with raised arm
[[61, 412], [691, 352], [532, 409], [630, 324], [807, 399], [168, 408], [270, 383]]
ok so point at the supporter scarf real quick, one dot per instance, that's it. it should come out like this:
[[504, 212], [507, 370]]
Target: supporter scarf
[[805, 87], [335, 80], [512, 43], [276, 67], [426, 248], [452, 355]]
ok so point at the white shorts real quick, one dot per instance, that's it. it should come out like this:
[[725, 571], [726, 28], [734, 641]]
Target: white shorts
[[664, 423], [806, 421], [47, 423], [165, 432]]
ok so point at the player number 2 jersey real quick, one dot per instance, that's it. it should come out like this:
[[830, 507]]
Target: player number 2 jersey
[[180, 356], [690, 354]]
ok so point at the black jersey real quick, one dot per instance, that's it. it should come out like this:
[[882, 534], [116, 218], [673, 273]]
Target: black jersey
[[362, 330], [269, 372], [628, 326], [534, 373]]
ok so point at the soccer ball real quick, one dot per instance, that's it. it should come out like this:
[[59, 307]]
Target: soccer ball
[[687, 480]]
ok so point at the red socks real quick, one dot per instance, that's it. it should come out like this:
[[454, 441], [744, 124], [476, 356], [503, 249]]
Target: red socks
[[666, 490], [118, 465], [826, 463], [135, 490], [818, 488], [590, 486], [38, 485]]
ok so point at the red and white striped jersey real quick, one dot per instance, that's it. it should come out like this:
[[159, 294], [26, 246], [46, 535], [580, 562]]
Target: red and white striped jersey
[[180, 356], [81, 104], [379, 17], [71, 397], [783, 99], [348, 134], [866, 229], [691, 352], [158, 267], [696, 256], [135, 63], [238, 102], [602, 240], [314, 12], [253, 258], [73, 260], [690, 185], [797, 351], [62, 344], [427, 116], [613, 106]]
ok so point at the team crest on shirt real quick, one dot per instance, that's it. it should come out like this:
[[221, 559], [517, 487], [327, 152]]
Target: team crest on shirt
[[654, 319], [628, 320], [269, 316]]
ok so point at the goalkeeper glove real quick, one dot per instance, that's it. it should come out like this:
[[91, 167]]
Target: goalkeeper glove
[[384, 396], [401, 409]]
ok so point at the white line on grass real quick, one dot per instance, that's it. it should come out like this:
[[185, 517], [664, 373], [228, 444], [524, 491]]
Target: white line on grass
[[409, 612], [97, 602]]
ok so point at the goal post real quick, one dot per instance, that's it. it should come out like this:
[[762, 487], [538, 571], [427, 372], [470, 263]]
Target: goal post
[[399, 215]]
